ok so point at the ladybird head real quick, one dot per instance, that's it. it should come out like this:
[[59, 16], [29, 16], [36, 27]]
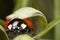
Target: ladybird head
[[18, 26]]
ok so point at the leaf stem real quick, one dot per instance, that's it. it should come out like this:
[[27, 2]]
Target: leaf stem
[[21, 3], [49, 27]]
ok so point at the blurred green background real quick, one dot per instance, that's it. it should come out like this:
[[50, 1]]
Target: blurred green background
[[49, 7]]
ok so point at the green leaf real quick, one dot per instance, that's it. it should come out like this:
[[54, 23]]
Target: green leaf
[[23, 37], [3, 35], [2, 22], [40, 23]]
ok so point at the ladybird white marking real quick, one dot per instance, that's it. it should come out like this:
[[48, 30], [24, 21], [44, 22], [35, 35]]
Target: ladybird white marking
[[9, 27], [14, 27], [15, 23], [18, 31], [18, 27], [23, 26]]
